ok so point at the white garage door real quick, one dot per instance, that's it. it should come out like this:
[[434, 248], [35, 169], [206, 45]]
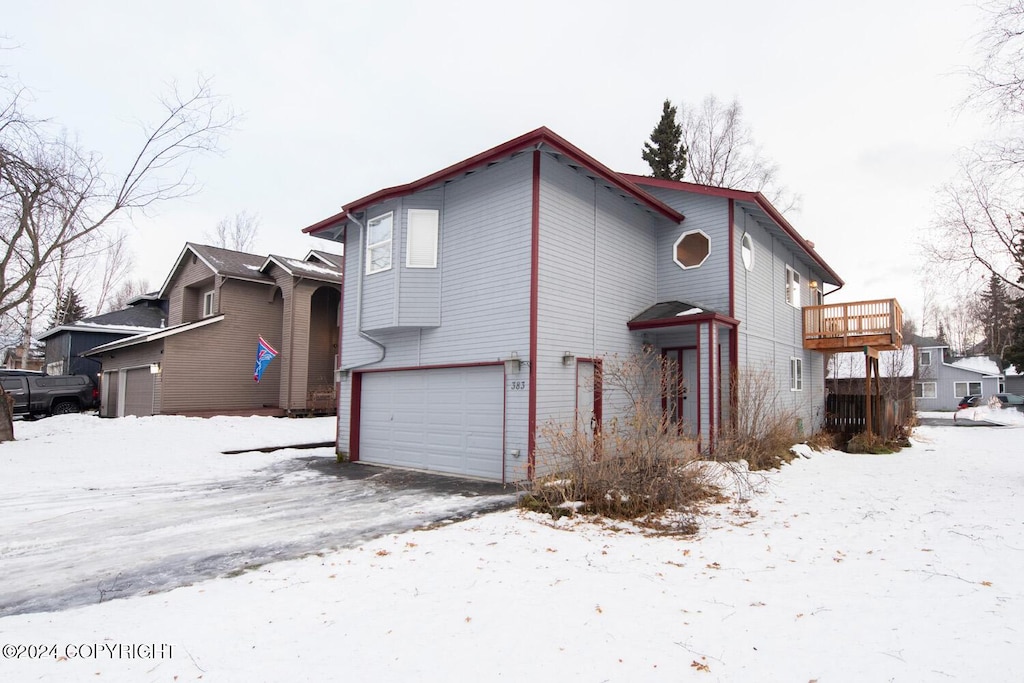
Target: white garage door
[[444, 420]]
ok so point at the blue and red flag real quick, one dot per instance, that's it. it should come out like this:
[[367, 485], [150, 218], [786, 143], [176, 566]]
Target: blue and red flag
[[264, 354]]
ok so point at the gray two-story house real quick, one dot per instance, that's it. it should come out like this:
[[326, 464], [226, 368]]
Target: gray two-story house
[[480, 299]]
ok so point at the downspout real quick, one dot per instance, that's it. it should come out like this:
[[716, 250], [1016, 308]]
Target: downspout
[[359, 300]]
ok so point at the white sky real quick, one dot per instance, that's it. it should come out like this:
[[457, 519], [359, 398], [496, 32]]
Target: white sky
[[857, 102]]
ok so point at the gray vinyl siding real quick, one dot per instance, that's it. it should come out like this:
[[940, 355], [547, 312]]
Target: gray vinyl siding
[[596, 272], [707, 285], [945, 377], [484, 280], [419, 289]]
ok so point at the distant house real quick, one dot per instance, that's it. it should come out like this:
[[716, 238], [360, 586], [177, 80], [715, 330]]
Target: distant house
[[483, 300], [845, 373], [66, 344], [13, 358], [941, 382], [220, 302]]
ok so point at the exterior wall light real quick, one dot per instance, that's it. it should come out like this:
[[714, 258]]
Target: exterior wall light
[[154, 368], [568, 358], [512, 363]]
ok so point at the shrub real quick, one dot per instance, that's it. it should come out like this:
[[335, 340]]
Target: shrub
[[638, 467], [762, 432]]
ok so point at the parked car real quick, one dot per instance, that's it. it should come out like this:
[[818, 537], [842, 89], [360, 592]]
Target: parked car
[[969, 402], [51, 394], [1011, 401]]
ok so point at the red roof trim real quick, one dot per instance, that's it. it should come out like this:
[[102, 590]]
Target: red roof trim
[[326, 223], [535, 138], [742, 195], [678, 321]]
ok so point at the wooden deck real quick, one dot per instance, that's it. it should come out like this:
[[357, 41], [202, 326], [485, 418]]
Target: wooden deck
[[853, 326]]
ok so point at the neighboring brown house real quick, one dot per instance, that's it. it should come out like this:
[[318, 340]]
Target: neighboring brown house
[[220, 303], [13, 359]]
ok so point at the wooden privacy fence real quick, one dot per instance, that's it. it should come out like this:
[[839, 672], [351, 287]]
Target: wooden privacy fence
[[844, 413]]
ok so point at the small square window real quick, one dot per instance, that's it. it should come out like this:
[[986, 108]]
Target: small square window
[[208, 309], [926, 358], [378, 243], [796, 374]]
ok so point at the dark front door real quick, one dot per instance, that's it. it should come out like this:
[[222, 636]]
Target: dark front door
[[680, 395]]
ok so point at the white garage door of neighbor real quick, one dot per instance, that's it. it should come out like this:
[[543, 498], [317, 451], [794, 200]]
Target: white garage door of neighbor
[[443, 420], [138, 392]]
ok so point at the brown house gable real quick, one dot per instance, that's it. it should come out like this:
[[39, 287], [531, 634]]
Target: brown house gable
[[202, 368]]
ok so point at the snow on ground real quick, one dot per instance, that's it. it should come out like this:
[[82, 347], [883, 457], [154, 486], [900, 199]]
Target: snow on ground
[[902, 567], [115, 508]]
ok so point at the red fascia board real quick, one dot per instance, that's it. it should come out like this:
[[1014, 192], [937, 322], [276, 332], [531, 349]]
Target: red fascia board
[[679, 321], [326, 223], [535, 138], [741, 195]]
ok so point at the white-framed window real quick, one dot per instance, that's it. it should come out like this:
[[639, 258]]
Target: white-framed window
[[792, 287], [961, 389], [421, 243], [926, 358], [208, 309], [747, 251], [925, 390], [378, 243], [692, 249], [796, 374]]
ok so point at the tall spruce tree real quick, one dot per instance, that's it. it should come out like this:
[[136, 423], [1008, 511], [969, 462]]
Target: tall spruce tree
[[1014, 353], [666, 152], [69, 309], [996, 312]]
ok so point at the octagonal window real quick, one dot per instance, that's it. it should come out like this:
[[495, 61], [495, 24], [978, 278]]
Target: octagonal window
[[691, 249]]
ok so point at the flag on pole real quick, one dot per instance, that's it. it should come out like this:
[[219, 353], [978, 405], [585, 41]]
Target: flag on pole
[[264, 354]]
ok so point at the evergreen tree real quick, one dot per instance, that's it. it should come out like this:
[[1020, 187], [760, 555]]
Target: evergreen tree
[[996, 316], [69, 309], [666, 153], [1014, 353]]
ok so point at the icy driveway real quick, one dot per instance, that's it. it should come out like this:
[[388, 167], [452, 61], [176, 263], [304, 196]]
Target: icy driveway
[[92, 510]]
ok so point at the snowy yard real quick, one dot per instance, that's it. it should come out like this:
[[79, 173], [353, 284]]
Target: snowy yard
[[904, 567]]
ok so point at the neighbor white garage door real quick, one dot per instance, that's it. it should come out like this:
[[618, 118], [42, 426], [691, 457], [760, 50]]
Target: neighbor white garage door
[[444, 420]]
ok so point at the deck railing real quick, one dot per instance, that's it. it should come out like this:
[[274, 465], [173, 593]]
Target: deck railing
[[876, 323]]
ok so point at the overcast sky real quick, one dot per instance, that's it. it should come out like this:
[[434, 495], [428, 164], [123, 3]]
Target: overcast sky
[[858, 103]]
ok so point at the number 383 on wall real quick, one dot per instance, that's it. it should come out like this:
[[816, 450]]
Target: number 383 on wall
[[517, 385]]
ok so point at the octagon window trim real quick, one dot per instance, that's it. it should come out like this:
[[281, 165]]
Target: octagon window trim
[[679, 241]]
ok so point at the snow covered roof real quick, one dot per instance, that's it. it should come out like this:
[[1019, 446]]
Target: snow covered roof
[[982, 364], [306, 269]]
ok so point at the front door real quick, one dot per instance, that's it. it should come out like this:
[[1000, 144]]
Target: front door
[[680, 398]]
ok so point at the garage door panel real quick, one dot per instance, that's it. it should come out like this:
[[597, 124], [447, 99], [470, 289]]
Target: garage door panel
[[138, 392], [446, 420]]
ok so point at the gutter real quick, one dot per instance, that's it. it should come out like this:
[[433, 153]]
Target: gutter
[[359, 301]]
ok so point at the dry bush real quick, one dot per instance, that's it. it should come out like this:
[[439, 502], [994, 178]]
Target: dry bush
[[762, 432], [826, 441], [638, 466], [866, 442]]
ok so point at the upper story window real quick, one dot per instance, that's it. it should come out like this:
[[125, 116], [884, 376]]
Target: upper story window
[[926, 358], [208, 309], [691, 249], [792, 287], [378, 243], [747, 251], [421, 243]]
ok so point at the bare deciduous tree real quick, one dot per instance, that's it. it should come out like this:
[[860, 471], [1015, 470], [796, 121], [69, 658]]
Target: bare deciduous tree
[[721, 151], [53, 194], [237, 233], [128, 290]]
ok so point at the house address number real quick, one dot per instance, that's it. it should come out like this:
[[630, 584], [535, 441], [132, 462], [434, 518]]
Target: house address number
[[517, 385]]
